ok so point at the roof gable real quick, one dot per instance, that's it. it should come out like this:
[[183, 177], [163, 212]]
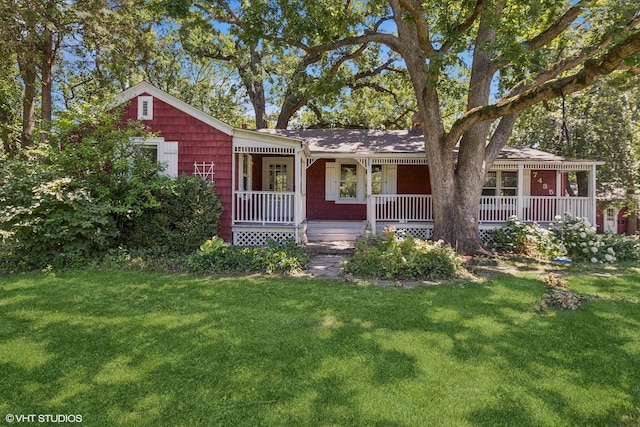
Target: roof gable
[[144, 87]]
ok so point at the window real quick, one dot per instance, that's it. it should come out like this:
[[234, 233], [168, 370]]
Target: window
[[150, 151], [611, 214], [376, 179], [348, 181], [246, 172], [145, 107], [163, 152], [501, 183]]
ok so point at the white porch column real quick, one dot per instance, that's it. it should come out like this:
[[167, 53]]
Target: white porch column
[[592, 195], [297, 198], [234, 156], [371, 217], [520, 194]]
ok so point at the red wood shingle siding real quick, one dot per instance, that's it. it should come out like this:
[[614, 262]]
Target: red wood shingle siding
[[318, 207], [197, 142]]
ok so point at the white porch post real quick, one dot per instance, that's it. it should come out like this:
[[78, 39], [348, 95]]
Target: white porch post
[[297, 199], [592, 194], [233, 185], [520, 194], [371, 217]]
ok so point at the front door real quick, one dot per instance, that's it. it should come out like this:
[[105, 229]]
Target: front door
[[277, 177], [610, 220]]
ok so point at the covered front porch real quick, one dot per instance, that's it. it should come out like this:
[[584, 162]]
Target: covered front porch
[[532, 191], [268, 189]]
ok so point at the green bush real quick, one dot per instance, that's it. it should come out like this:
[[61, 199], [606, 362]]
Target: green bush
[[93, 189], [393, 258], [526, 239], [626, 248], [579, 240], [48, 219], [214, 256], [187, 212]]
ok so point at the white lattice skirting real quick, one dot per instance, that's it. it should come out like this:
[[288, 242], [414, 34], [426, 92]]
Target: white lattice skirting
[[261, 238], [426, 233]]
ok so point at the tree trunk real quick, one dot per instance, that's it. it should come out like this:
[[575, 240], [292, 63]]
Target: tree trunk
[[252, 80], [28, 73], [582, 178], [632, 223], [47, 83]]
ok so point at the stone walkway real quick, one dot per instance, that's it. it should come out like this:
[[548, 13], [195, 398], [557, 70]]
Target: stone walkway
[[328, 258]]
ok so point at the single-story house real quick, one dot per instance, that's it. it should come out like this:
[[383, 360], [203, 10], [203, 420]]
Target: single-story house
[[335, 184]]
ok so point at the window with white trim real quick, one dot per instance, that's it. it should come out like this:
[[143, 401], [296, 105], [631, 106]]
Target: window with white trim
[[349, 181], [501, 183], [145, 107], [163, 152], [346, 181], [377, 181]]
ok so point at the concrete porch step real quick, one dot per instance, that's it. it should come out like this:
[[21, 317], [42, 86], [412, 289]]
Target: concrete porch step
[[327, 231]]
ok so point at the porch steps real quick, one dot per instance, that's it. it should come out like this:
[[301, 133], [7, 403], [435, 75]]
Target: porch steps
[[329, 231]]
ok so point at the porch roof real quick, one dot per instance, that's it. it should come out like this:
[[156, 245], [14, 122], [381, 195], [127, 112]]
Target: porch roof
[[324, 142]]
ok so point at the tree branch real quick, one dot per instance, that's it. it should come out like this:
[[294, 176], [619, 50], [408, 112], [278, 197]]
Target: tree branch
[[557, 28], [589, 74], [463, 26]]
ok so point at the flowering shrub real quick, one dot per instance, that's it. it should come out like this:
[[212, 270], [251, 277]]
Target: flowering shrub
[[581, 243], [528, 239], [567, 235]]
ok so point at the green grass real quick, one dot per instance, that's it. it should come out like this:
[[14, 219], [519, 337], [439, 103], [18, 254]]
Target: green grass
[[135, 349]]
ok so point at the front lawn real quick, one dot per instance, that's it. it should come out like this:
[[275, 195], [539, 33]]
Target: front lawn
[[134, 349]]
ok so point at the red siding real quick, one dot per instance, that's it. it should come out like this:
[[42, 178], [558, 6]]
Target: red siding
[[197, 142], [543, 183], [414, 179], [318, 207]]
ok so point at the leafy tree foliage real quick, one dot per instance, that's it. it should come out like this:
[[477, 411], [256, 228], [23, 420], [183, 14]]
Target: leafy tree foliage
[[288, 55]]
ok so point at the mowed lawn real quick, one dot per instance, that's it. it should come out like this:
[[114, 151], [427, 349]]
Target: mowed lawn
[[137, 349]]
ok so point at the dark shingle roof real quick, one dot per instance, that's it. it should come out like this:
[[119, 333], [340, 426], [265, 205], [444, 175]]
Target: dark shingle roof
[[364, 141]]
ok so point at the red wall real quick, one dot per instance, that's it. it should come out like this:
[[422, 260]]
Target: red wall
[[414, 179], [543, 183], [197, 142], [318, 207]]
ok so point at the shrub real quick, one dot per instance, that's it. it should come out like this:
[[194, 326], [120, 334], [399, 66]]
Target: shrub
[[526, 239], [47, 218], [626, 248], [393, 258], [187, 212], [214, 256], [580, 241]]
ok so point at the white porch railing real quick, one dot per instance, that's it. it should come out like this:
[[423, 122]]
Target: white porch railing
[[497, 208], [493, 209], [403, 207], [264, 207], [544, 209]]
